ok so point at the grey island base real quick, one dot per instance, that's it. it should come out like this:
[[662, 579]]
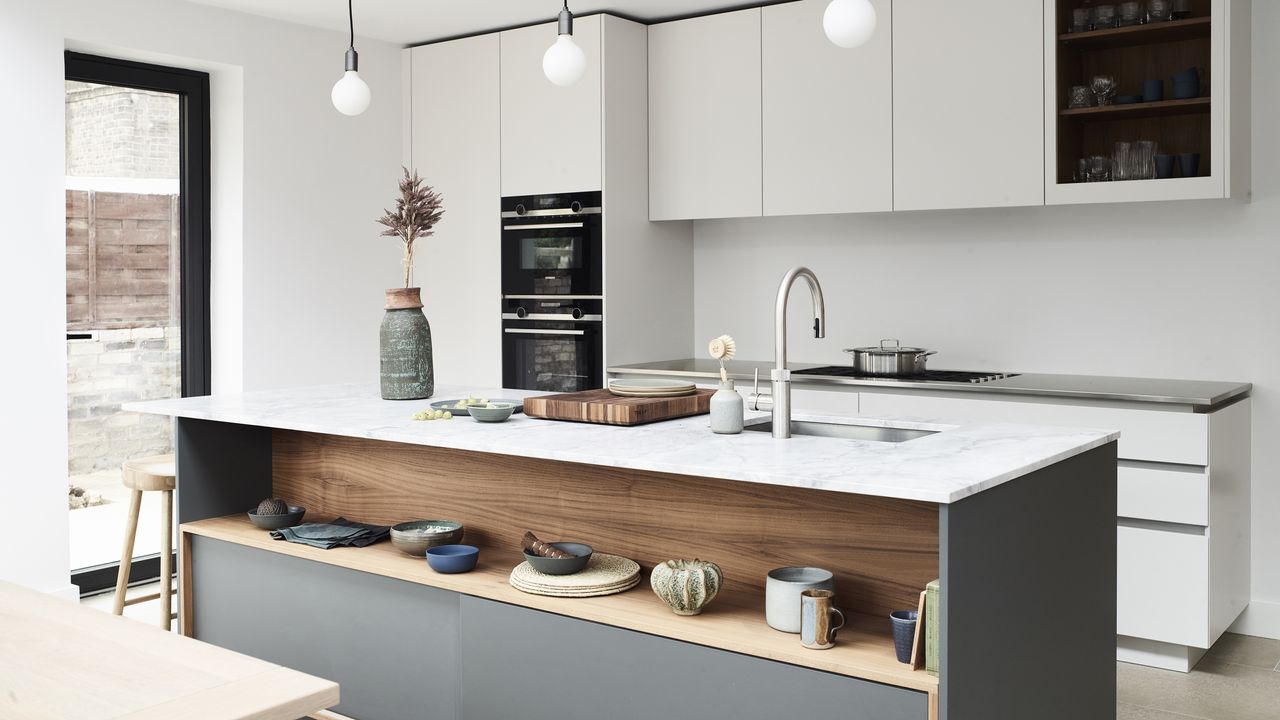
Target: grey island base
[[1027, 568]]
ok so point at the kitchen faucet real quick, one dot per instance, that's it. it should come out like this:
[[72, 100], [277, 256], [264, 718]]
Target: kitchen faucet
[[779, 397]]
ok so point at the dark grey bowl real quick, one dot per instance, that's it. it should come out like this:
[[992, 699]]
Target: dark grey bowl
[[561, 566], [275, 522]]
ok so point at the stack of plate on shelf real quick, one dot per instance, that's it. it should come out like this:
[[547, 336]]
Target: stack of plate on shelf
[[603, 575], [651, 388]]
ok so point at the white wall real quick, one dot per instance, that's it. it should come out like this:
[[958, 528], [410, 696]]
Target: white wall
[[1177, 290], [299, 267]]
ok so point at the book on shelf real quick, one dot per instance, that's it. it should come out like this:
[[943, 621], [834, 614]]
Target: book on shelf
[[932, 627]]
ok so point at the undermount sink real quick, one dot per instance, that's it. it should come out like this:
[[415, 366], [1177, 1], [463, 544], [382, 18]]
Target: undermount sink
[[844, 431]]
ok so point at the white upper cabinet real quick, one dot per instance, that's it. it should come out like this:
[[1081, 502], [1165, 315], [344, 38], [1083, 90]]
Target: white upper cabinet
[[968, 104], [453, 143], [828, 114], [550, 134], [704, 117]]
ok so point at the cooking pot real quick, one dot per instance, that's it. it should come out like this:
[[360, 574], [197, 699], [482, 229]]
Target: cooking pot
[[890, 359]]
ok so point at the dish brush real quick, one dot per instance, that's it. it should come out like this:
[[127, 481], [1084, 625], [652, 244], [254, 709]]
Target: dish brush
[[722, 348]]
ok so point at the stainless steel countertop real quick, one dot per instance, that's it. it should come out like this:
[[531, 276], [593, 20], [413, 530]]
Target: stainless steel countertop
[[1200, 394]]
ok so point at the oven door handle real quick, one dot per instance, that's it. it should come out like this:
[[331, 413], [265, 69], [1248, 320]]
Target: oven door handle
[[540, 331], [545, 226]]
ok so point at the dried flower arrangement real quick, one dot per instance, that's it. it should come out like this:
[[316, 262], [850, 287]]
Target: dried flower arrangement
[[418, 209]]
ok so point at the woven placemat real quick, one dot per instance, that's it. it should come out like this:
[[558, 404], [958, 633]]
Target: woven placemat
[[604, 574]]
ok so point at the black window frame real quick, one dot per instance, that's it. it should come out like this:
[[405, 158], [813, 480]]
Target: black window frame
[[195, 190]]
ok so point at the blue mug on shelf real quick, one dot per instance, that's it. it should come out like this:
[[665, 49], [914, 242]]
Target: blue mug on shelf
[[1164, 166], [1189, 164], [1152, 90]]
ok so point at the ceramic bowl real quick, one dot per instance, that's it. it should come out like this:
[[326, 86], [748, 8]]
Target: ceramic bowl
[[412, 538], [499, 412], [561, 566], [275, 522], [453, 558]]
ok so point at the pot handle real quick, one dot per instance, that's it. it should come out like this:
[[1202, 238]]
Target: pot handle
[[927, 353], [884, 344]]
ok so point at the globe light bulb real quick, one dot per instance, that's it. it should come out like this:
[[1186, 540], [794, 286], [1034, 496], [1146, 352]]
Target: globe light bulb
[[564, 62], [849, 23], [350, 94]]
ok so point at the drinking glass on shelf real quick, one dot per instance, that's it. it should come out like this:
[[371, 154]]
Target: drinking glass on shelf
[[1081, 20], [1144, 160], [1159, 10], [1181, 9], [1122, 161], [1130, 13], [1080, 96], [1099, 168], [1104, 88], [1104, 16]]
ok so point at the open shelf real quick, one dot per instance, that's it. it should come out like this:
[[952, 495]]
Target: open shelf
[[1155, 32], [734, 621], [1139, 110]]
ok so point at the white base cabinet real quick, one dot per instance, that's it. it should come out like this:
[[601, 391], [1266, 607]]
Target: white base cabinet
[[1183, 506]]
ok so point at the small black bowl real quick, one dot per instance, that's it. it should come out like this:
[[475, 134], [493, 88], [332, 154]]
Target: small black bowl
[[275, 522], [561, 566]]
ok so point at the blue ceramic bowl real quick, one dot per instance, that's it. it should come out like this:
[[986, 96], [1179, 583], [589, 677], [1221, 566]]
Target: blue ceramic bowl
[[453, 558]]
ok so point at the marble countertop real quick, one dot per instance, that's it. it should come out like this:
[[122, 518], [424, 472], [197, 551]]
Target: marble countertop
[[1200, 394], [948, 466]]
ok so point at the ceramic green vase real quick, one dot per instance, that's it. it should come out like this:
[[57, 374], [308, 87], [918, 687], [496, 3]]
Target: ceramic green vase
[[405, 341]]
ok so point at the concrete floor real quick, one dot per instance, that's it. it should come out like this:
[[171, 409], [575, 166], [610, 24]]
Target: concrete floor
[[1239, 679]]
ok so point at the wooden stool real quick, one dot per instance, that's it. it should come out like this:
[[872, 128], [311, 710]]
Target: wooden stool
[[149, 474]]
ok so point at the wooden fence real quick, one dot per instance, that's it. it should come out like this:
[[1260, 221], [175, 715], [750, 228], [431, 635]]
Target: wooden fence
[[122, 260]]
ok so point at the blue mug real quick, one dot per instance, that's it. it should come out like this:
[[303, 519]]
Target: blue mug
[[1152, 90], [1164, 166], [1189, 164]]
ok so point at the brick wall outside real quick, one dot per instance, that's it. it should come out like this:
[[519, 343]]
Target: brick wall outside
[[121, 132], [119, 366]]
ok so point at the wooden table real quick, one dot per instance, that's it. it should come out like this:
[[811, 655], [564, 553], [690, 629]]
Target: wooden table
[[59, 660]]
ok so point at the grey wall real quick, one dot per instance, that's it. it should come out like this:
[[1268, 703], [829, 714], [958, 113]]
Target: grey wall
[[1180, 290]]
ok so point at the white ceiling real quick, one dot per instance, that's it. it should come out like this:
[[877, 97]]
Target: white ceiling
[[409, 22]]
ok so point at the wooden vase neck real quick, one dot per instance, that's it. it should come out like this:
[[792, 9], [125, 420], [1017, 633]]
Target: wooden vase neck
[[404, 298]]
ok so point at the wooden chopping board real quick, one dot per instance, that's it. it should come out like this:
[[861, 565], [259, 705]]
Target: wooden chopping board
[[603, 407]]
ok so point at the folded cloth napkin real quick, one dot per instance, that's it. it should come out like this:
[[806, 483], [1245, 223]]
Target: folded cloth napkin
[[340, 532]]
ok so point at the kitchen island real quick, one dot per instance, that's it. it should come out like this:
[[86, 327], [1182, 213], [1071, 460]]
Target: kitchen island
[[1016, 521]]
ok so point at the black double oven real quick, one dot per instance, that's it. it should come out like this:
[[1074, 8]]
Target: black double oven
[[552, 292]]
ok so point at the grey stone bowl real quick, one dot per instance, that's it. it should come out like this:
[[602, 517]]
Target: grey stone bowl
[[496, 414], [561, 566], [275, 522], [409, 537]]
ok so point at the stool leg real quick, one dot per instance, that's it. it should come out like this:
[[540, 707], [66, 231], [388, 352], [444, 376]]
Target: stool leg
[[126, 555], [166, 560]]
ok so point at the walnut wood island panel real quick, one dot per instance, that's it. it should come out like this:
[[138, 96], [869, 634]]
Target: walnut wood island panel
[[1027, 569]]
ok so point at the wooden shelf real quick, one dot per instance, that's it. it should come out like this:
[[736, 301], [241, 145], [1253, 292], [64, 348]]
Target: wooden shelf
[[734, 621], [1138, 110], [1171, 31]]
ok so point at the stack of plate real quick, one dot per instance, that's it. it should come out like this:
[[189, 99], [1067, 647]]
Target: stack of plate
[[651, 388], [603, 575]]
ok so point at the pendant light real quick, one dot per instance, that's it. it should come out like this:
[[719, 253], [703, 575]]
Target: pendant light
[[564, 62], [849, 23], [350, 94]]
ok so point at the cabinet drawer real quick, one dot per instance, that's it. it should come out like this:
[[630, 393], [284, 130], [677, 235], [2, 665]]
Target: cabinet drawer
[[1162, 584], [1152, 435], [1170, 494]]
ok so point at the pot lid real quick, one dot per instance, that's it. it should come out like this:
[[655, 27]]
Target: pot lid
[[887, 347]]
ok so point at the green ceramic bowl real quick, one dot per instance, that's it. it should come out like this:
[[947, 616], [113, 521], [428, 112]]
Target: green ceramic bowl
[[495, 413], [413, 538]]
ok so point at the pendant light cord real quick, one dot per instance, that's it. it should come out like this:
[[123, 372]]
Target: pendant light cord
[[351, 21]]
